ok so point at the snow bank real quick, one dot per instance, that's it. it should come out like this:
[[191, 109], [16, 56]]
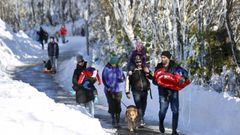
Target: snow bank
[[26, 111]]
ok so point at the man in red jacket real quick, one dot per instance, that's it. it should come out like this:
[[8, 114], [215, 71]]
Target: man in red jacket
[[63, 33]]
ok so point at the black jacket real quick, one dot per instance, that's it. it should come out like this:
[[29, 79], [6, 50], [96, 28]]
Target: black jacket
[[76, 75], [82, 95], [139, 80], [42, 34], [53, 49], [170, 69]]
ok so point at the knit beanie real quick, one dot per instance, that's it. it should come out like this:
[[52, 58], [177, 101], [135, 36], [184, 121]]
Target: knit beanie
[[167, 54], [79, 58], [114, 60]]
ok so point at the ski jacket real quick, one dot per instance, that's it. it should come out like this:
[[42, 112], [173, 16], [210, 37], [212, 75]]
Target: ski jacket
[[88, 77], [53, 49], [63, 31], [112, 77]]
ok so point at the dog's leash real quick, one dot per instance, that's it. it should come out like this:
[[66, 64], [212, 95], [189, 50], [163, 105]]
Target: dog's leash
[[124, 104]]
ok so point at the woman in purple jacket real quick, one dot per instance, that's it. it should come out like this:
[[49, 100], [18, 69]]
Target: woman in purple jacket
[[112, 76]]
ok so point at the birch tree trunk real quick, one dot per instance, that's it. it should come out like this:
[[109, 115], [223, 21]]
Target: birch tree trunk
[[228, 8]]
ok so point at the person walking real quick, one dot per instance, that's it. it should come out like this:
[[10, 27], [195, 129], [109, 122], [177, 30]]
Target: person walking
[[63, 33], [83, 81], [43, 36], [112, 76], [139, 84], [166, 95], [53, 53]]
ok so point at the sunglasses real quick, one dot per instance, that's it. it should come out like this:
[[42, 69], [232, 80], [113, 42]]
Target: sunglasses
[[138, 62]]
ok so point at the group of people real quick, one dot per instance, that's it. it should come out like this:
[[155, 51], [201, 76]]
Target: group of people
[[43, 35], [137, 84], [53, 48]]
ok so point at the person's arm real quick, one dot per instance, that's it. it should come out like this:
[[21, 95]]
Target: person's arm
[[153, 80], [104, 77], [57, 51]]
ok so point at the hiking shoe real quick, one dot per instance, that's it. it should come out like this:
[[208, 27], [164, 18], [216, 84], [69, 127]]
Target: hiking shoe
[[142, 123], [161, 128], [174, 132]]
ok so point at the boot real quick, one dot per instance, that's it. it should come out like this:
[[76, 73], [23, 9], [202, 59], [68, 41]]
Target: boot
[[175, 124], [142, 123], [161, 125]]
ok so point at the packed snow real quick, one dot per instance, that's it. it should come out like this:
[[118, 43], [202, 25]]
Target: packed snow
[[24, 110]]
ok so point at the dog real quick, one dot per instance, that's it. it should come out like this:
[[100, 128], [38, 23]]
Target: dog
[[132, 117]]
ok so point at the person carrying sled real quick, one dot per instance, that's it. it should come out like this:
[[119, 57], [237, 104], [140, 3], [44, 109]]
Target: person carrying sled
[[112, 76], [140, 50], [139, 84], [83, 84], [53, 53], [43, 36], [166, 95], [63, 33]]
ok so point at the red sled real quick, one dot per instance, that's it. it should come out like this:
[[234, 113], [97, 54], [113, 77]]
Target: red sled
[[169, 80]]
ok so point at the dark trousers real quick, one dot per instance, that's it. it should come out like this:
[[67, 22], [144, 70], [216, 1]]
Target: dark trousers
[[140, 100], [164, 100], [114, 102]]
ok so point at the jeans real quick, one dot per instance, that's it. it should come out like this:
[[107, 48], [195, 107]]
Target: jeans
[[53, 60], [140, 100], [164, 101]]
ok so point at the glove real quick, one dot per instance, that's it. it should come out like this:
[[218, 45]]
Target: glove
[[128, 95], [181, 81], [96, 100]]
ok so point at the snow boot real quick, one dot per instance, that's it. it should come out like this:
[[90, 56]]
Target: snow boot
[[175, 124], [161, 125], [142, 123]]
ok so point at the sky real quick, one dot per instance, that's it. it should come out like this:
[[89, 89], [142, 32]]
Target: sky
[[25, 110]]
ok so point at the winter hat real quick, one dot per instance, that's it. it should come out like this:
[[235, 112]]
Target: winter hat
[[114, 60], [167, 54], [138, 59], [139, 45], [79, 58]]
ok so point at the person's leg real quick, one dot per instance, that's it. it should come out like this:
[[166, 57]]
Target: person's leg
[[91, 108], [118, 109], [164, 103], [52, 61], [55, 63], [138, 102], [110, 101], [144, 95], [174, 99], [41, 41]]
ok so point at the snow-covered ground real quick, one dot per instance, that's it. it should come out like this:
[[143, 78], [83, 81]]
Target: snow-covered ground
[[24, 110]]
